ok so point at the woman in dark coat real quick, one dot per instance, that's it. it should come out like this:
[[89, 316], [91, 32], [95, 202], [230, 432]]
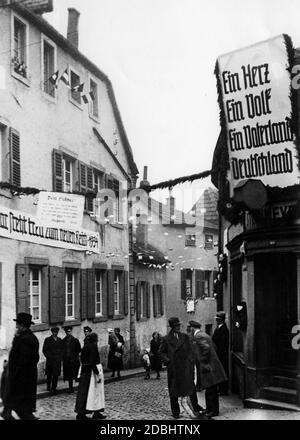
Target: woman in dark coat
[[71, 349], [156, 363], [22, 369], [89, 360], [115, 354]]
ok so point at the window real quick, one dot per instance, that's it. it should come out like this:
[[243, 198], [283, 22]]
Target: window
[[35, 291], [20, 47], [142, 300], [158, 300], [67, 175], [49, 67], [99, 292], [117, 276], [190, 240], [207, 283], [75, 85], [209, 241], [186, 283], [70, 294], [114, 204], [94, 101]]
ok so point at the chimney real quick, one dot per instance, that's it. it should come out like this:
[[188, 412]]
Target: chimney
[[73, 20], [145, 182]]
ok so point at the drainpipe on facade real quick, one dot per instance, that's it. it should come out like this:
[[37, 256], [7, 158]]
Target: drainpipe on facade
[[132, 315]]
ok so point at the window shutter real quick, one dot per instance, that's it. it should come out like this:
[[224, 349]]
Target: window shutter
[[15, 159], [77, 295], [105, 293], [57, 294], [125, 293], [110, 185], [22, 288], [148, 300], [154, 292], [82, 177], [138, 300], [90, 187], [57, 170], [199, 277], [161, 300], [45, 294], [83, 291], [110, 297], [122, 299], [183, 283], [91, 303]]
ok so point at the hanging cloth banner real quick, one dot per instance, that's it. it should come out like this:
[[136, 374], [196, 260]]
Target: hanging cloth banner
[[18, 225], [254, 86]]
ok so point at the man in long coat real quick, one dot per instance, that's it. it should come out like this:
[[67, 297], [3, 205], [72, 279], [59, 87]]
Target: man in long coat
[[220, 338], [52, 350], [176, 352], [22, 369], [211, 370], [71, 362]]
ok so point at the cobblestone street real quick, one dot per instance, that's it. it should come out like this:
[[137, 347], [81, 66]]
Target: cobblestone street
[[138, 399]]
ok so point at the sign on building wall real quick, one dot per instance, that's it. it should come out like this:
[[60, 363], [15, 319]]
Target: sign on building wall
[[255, 91], [17, 225], [60, 209]]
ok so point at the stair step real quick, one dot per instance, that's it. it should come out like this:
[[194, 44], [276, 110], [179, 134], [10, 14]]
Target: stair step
[[269, 404], [279, 394], [285, 382]]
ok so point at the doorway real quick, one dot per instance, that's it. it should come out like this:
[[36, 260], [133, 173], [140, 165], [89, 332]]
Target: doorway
[[275, 310]]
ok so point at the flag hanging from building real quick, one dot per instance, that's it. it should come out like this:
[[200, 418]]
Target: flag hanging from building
[[78, 88], [53, 78], [89, 97], [65, 77]]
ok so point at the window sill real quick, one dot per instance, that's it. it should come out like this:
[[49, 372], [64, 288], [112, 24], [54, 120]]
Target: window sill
[[20, 78], [100, 319], [76, 103], [71, 322], [50, 98], [143, 319], [117, 317], [39, 327], [94, 118], [117, 226]]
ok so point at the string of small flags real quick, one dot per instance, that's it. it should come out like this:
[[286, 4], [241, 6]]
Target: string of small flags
[[55, 79]]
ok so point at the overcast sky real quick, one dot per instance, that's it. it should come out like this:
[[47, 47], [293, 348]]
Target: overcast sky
[[160, 56]]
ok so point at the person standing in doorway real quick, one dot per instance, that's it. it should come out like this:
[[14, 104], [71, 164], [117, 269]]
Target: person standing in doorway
[[156, 363], [176, 352], [211, 370], [221, 340], [22, 369], [52, 350], [71, 351], [115, 355]]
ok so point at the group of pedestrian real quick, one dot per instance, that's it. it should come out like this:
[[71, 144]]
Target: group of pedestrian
[[195, 354], [19, 376]]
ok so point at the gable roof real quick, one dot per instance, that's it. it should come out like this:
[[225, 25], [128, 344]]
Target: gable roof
[[63, 42]]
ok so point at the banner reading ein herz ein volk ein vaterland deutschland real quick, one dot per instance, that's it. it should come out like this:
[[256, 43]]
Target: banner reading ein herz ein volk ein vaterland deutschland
[[255, 95]]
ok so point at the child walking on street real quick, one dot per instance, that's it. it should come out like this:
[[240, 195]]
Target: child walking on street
[[146, 362]]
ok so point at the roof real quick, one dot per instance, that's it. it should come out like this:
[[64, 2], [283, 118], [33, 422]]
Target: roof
[[206, 207], [63, 42], [149, 254]]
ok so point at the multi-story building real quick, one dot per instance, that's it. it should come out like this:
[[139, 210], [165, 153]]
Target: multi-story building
[[60, 131]]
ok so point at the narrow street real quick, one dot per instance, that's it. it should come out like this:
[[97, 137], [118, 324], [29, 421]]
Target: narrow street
[[137, 399]]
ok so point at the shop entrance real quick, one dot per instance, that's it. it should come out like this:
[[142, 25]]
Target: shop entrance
[[275, 311]]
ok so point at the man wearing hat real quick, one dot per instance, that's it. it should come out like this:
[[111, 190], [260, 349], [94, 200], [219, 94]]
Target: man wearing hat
[[87, 331], [22, 369], [221, 340], [211, 370], [52, 350], [71, 362], [176, 352]]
